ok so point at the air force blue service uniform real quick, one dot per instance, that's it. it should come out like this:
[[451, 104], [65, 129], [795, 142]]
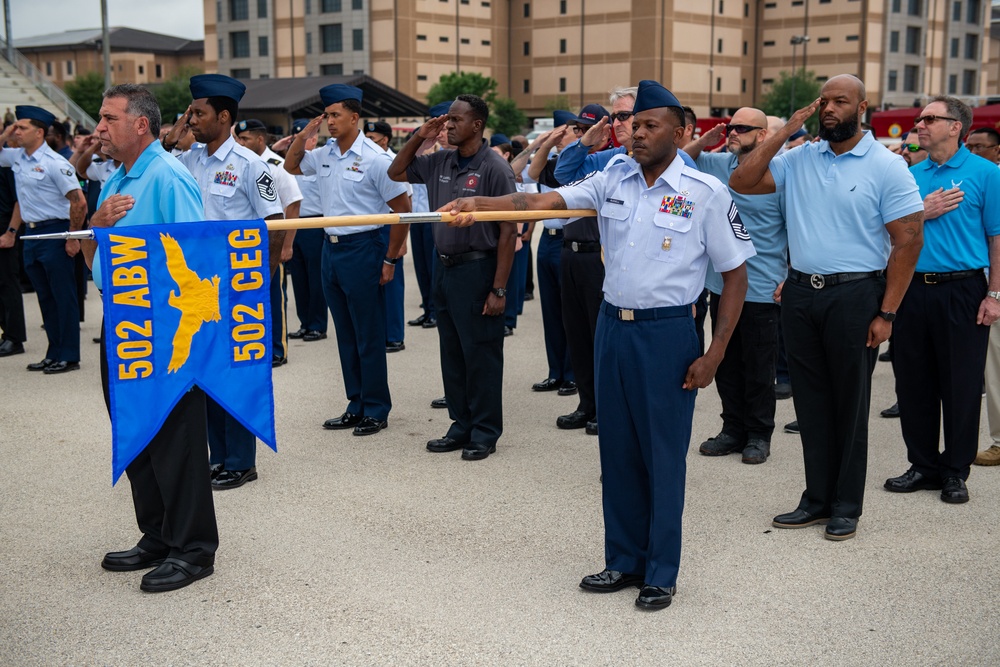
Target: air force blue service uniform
[[353, 180], [235, 184], [837, 207], [658, 242], [43, 180], [939, 352]]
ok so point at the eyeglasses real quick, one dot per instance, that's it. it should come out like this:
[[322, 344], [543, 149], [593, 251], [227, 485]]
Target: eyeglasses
[[913, 148], [975, 148], [622, 116], [578, 130], [927, 120], [741, 129]]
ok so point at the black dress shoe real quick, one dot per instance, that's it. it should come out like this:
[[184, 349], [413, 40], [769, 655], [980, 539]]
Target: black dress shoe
[[568, 388], [96, 339], [782, 391], [310, 336], [214, 469], [891, 412], [477, 451], [911, 481], [419, 321], [278, 361], [430, 323], [548, 384], [41, 365], [61, 367], [591, 427], [577, 419], [721, 445], [370, 426], [797, 519], [172, 574], [792, 427], [346, 420], [954, 491], [445, 444], [135, 558], [394, 346], [840, 528], [9, 348], [508, 331], [654, 598], [233, 479], [609, 581], [884, 357], [297, 334], [439, 402]]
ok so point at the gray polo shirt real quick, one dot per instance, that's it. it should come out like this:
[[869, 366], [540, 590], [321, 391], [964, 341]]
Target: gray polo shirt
[[486, 175]]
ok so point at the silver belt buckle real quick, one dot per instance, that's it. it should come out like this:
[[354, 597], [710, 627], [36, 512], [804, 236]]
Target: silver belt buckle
[[552, 232], [334, 238], [817, 281], [626, 315], [575, 246], [32, 225]]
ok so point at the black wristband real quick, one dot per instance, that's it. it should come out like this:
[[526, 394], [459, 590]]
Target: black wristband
[[390, 261]]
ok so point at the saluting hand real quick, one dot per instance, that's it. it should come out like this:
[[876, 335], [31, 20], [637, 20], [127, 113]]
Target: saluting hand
[[112, 210], [9, 130], [312, 129], [597, 135], [800, 117], [713, 136], [432, 128]]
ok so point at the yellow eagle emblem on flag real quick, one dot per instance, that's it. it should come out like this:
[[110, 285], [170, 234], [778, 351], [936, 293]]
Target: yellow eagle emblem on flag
[[197, 299]]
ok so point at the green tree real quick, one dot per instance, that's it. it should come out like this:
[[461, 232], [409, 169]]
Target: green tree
[[505, 117], [174, 95], [558, 102], [792, 93], [453, 84], [87, 91]]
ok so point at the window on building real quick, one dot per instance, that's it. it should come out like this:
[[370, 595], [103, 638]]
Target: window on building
[[770, 5], [527, 86], [718, 47], [222, 50], [893, 80], [356, 72], [243, 73], [769, 43], [972, 47], [746, 10], [239, 44], [262, 45], [894, 41], [464, 2], [485, 4], [357, 5], [562, 46], [852, 38], [969, 86], [159, 71], [464, 40], [358, 39], [915, 7], [797, 3], [327, 6], [421, 77], [527, 48], [218, 11], [910, 75], [421, 38], [527, 10], [142, 69], [721, 7], [264, 76], [309, 42], [954, 47], [562, 84], [262, 9], [824, 2], [239, 10], [974, 12], [486, 42], [309, 7], [895, 6], [952, 84], [767, 82], [743, 86], [443, 38], [562, 6], [823, 40], [912, 40], [745, 47], [956, 11], [331, 38], [718, 84], [69, 68], [331, 70]]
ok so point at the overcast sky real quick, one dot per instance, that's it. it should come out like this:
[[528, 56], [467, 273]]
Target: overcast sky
[[180, 18]]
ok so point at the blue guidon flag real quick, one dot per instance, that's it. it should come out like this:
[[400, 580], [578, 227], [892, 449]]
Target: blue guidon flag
[[185, 305]]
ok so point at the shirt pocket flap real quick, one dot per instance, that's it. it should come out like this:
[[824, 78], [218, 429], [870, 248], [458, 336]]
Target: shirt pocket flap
[[355, 176], [675, 223], [221, 190]]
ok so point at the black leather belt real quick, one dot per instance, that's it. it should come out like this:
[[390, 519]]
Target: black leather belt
[[935, 278], [462, 258], [582, 246], [42, 224], [347, 238], [819, 280], [634, 314]]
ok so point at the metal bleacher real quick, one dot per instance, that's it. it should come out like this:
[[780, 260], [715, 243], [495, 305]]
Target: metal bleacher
[[22, 83]]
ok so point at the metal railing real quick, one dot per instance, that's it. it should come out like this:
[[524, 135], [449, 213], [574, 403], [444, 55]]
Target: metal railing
[[47, 88]]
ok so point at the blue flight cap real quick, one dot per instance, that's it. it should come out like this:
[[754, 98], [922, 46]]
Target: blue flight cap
[[498, 139], [652, 95], [440, 109], [590, 114], [299, 125], [26, 112], [216, 85], [801, 132], [251, 124], [338, 92], [560, 117]]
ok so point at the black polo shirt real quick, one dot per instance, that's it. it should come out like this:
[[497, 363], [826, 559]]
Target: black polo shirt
[[486, 175], [583, 230]]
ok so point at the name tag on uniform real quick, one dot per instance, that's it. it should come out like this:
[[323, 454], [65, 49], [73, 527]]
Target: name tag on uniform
[[678, 205]]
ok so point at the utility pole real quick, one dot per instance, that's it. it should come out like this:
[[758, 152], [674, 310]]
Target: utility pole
[[105, 43], [10, 40]]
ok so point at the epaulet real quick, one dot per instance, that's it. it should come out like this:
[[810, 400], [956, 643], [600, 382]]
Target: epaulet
[[275, 161]]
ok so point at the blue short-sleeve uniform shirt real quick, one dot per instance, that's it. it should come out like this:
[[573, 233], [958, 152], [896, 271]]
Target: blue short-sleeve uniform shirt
[[235, 183], [43, 180]]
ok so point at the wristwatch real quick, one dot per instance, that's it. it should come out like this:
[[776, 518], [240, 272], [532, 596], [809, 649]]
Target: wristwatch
[[500, 292], [994, 295], [391, 261], [11, 230], [886, 315]]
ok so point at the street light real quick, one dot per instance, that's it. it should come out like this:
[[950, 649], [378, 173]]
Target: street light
[[796, 40]]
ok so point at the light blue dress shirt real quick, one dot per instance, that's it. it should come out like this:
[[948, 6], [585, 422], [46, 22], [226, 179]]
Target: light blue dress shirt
[[43, 180], [957, 240], [235, 183], [658, 240], [837, 206], [163, 190]]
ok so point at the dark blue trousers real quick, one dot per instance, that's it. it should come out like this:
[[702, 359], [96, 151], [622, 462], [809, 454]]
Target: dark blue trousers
[[53, 275], [279, 308], [645, 432], [395, 318], [305, 268], [424, 264], [515, 286], [229, 441], [550, 294], [352, 268]]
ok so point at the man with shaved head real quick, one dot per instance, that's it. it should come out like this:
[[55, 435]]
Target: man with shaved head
[[745, 379], [847, 197]]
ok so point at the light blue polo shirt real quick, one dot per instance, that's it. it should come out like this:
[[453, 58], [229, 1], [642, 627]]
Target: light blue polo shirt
[[163, 189], [956, 241], [764, 217], [837, 206]]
